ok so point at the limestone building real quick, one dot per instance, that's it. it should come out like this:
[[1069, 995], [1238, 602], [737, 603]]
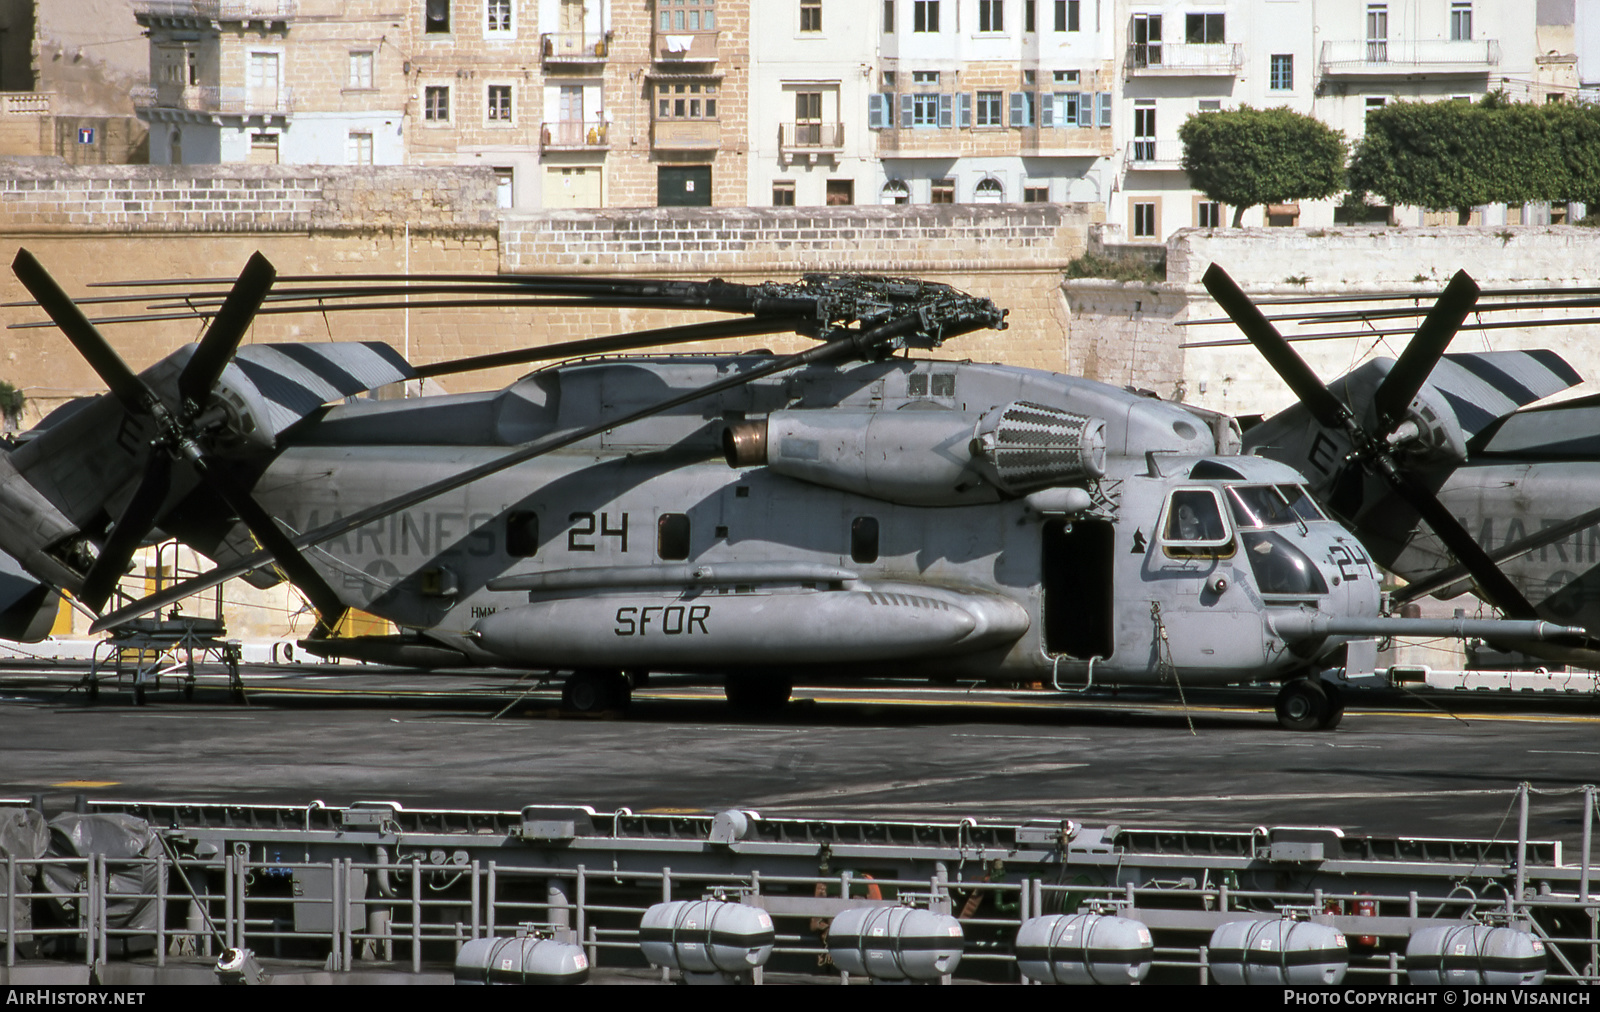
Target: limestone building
[[637, 103]]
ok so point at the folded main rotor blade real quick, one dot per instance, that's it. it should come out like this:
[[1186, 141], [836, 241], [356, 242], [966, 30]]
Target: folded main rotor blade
[[1323, 405], [226, 331], [1494, 583], [839, 347], [123, 382], [686, 334], [137, 519], [1416, 363]]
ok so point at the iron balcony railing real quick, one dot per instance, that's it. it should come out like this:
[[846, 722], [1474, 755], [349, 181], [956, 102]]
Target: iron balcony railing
[[814, 136], [1179, 59], [575, 47], [223, 101], [1390, 56], [217, 10], [1154, 154], [574, 135]]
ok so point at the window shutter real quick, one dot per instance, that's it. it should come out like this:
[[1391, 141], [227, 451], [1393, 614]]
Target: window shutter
[[1047, 109], [874, 111], [946, 111], [1019, 115], [965, 113], [907, 111], [1103, 102]]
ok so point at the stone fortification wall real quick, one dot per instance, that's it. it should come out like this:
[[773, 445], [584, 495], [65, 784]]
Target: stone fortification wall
[[117, 199]]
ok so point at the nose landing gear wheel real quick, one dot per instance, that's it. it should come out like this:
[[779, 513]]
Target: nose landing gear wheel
[[1303, 705]]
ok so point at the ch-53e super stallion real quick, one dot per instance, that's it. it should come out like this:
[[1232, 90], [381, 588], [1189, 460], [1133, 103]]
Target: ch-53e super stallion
[[1447, 467], [837, 513]]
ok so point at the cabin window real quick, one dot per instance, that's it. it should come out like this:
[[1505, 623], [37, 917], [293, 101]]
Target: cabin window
[[1194, 522], [864, 539], [672, 537], [522, 533]]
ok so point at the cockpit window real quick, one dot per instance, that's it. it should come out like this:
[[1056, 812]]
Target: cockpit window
[[1301, 502], [1194, 518], [1270, 505]]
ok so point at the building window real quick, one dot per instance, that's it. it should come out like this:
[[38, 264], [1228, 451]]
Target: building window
[[808, 118], [1203, 28], [436, 17], [989, 113], [1030, 15], [925, 77], [1208, 214], [263, 73], [686, 101], [1066, 15], [888, 17], [991, 15], [811, 15], [943, 191], [1460, 22], [497, 17], [1147, 40], [358, 149], [1281, 76], [504, 185], [436, 104], [686, 15], [263, 149], [841, 192], [1144, 133], [1065, 77], [783, 193], [499, 103], [1039, 194], [989, 191], [1210, 105], [925, 109], [895, 191], [1377, 33], [360, 70], [1376, 102], [925, 16], [1144, 220]]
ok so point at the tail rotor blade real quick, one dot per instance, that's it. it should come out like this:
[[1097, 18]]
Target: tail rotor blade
[[1416, 363], [1324, 407], [226, 331]]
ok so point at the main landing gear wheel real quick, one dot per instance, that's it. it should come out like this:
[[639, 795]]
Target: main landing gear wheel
[[749, 693], [593, 691], [1309, 704]]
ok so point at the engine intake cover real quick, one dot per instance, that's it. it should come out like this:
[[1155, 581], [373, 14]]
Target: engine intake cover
[[1029, 446]]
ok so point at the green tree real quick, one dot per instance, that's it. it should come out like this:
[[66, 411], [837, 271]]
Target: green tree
[[1458, 155], [1251, 156]]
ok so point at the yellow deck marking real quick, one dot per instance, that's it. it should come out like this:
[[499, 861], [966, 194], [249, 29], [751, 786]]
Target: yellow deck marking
[[87, 783]]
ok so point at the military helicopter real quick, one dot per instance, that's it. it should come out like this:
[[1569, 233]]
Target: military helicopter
[[840, 512], [1419, 452]]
